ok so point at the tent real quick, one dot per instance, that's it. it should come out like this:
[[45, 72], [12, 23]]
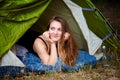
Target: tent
[[18, 18]]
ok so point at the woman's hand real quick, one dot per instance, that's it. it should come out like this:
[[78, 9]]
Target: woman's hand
[[46, 36], [66, 36]]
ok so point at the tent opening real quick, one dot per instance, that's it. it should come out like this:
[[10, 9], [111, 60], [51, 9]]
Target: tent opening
[[27, 39]]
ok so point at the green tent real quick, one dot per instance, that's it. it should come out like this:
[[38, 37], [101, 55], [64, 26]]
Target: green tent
[[19, 16], [21, 21]]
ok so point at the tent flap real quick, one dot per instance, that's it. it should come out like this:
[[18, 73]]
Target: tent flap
[[16, 19]]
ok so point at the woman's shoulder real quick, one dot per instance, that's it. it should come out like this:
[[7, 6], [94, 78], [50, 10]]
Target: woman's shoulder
[[40, 41]]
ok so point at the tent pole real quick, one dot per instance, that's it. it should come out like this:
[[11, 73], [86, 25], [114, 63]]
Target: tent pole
[[108, 25], [88, 9]]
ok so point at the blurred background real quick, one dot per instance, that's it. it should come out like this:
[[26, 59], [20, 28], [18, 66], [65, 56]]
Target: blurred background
[[111, 10]]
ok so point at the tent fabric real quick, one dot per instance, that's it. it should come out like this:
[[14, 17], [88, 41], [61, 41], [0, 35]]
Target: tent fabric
[[10, 59], [65, 12], [26, 13], [19, 16], [16, 19], [34, 15], [93, 41]]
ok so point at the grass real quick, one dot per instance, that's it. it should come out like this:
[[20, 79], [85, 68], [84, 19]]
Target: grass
[[99, 72]]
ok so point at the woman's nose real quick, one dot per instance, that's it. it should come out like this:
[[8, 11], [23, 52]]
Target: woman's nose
[[55, 31]]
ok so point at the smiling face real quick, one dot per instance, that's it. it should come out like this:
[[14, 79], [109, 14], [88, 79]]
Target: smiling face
[[55, 30]]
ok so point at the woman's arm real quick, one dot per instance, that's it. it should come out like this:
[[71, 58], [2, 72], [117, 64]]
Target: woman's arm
[[53, 54], [41, 49]]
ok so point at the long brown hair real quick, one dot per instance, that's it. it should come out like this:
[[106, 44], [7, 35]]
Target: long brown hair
[[67, 49]]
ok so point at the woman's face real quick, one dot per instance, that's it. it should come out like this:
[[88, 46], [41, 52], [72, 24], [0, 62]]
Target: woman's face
[[55, 30]]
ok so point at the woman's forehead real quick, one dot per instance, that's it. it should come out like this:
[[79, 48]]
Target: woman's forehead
[[55, 24]]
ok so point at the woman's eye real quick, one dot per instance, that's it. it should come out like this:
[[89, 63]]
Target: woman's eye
[[59, 29], [52, 28]]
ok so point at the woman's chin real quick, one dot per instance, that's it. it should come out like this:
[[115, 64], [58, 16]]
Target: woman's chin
[[55, 40]]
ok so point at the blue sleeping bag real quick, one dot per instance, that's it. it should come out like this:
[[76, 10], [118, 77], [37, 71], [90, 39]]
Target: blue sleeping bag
[[33, 62], [35, 65]]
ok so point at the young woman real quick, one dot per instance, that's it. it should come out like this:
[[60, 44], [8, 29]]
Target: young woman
[[57, 50], [56, 41]]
